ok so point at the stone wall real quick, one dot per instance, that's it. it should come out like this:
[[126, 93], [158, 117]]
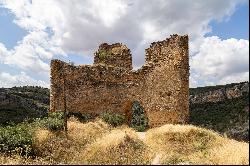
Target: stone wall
[[160, 85]]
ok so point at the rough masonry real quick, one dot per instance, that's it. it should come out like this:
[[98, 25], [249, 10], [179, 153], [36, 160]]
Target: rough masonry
[[161, 85]]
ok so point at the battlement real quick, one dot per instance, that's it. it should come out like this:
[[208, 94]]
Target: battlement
[[161, 85]]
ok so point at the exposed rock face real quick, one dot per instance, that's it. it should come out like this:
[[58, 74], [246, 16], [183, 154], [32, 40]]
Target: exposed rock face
[[161, 85], [220, 94]]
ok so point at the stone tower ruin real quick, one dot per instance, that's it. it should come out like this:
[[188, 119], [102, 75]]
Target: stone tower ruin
[[161, 85]]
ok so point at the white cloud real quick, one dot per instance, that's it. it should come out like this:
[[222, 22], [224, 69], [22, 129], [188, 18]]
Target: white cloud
[[3, 52], [221, 61], [192, 82], [31, 53], [79, 26], [236, 77], [22, 79]]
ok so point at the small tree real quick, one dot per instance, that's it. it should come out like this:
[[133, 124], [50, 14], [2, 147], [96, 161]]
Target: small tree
[[139, 120]]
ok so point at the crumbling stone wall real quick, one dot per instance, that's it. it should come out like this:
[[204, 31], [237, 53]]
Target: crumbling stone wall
[[161, 85]]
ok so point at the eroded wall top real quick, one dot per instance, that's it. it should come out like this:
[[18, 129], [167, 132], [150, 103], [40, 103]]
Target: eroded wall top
[[116, 55]]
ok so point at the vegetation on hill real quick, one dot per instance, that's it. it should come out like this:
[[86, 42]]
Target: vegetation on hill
[[18, 138], [187, 144], [18, 104], [229, 116], [98, 143], [223, 117]]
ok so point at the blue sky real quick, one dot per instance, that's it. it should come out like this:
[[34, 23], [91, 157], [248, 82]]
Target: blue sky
[[10, 33], [48, 31], [236, 27]]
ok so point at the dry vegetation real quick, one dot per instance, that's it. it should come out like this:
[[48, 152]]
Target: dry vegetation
[[98, 143], [178, 144]]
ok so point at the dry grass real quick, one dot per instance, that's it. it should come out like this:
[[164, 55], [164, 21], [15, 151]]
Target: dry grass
[[18, 160], [121, 146], [84, 133], [57, 148], [231, 152], [98, 143], [178, 144]]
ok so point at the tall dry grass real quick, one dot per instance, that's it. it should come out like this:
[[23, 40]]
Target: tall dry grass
[[187, 144], [231, 152], [56, 147], [120, 146], [97, 143]]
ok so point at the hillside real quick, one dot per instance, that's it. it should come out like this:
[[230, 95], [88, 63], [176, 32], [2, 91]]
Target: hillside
[[20, 103], [223, 108], [98, 143]]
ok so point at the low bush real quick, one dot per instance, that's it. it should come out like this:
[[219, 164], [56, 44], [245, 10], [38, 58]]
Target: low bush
[[82, 117], [18, 138], [53, 122], [113, 119], [56, 115]]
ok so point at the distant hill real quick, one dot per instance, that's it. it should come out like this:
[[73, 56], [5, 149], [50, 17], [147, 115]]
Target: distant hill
[[20, 103], [223, 108]]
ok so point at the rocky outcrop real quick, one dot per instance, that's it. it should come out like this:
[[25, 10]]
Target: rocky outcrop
[[220, 94]]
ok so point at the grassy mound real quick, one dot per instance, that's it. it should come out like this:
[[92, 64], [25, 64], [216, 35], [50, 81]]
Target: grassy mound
[[121, 146], [59, 148], [187, 144]]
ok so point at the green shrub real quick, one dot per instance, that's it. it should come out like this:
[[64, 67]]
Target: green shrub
[[17, 138], [53, 122], [103, 54], [56, 115], [113, 119], [139, 120]]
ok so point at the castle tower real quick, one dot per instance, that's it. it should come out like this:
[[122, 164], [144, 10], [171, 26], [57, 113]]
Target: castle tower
[[116, 55], [168, 83]]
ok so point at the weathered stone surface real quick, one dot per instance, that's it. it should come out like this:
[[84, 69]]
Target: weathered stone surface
[[161, 85]]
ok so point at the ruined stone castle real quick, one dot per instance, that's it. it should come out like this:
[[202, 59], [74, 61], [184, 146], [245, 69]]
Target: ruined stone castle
[[161, 85]]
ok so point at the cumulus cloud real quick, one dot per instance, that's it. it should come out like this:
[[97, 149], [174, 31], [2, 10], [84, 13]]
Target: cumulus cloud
[[61, 27], [81, 25], [221, 61], [32, 52], [3, 52], [22, 79]]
